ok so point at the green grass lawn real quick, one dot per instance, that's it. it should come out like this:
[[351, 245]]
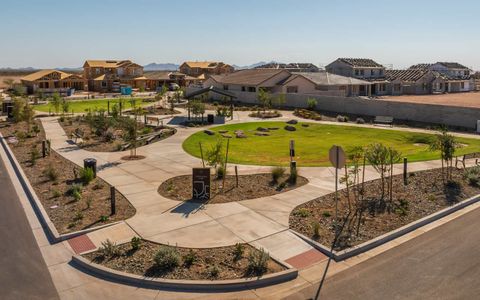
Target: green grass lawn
[[312, 143], [80, 106]]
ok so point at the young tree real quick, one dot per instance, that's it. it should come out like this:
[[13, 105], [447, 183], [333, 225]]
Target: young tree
[[28, 114], [214, 154], [446, 144], [56, 102], [17, 111], [377, 156], [65, 106], [198, 108], [264, 98], [130, 126]]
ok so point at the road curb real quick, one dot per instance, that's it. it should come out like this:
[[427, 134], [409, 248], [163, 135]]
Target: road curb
[[389, 236], [184, 285]]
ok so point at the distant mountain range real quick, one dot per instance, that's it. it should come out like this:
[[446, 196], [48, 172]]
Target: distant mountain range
[[161, 67], [148, 67]]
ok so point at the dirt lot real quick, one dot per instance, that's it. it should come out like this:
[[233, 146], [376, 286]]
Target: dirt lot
[[16, 79], [471, 99]]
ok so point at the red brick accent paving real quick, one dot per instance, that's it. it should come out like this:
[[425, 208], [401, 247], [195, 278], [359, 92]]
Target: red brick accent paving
[[81, 244], [306, 259]]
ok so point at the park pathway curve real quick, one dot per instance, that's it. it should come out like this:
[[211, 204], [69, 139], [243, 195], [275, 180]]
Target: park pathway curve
[[262, 222]]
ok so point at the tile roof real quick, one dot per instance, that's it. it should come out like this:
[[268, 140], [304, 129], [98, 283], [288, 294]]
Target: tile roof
[[411, 75], [291, 66], [421, 66], [107, 63], [249, 76], [39, 74], [325, 78], [453, 65], [204, 64], [361, 62]]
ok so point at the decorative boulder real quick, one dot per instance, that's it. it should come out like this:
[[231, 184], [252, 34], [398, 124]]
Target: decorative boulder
[[227, 136], [261, 134], [262, 129], [209, 132], [240, 134], [292, 122], [290, 128], [272, 128]]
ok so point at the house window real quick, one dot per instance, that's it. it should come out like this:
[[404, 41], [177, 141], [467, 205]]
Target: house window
[[424, 86], [252, 89], [357, 73], [382, 87], [292, 89], [225, 87], [362, 72], [243, 89], [104, 84], [372, 72], [462, 85]]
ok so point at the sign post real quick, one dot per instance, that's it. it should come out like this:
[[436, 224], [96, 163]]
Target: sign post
[[201, 183], [337, 159], [293, 163]]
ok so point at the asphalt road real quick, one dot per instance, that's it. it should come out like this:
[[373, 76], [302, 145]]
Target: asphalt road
[[441, 264], [23, 273]]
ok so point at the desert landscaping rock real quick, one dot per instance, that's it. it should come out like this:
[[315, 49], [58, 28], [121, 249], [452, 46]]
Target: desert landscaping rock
[[262, 129], [290, 128], [292, 122], [209, 132], [240, 134]]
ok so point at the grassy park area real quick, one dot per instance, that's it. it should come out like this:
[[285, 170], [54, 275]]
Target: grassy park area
[[312, 142], [80, 106]]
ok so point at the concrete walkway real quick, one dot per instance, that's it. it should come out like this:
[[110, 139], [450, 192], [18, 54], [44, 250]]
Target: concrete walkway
[[262, 222]]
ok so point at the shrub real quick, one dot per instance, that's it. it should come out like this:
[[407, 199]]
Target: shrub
[[221, 171], [167, 258], [432, 198], [238, 251], [34, 155], [341, 118], [326, 214], [190, 258], [97, 186], [146, 130], [89, 202], [316, 229], [402, 207], [78, 216], [135, 243], [277, 173], [472, 175], [257, 262], [213, 271], [302, 213], [51, 173], [292, 178], [311, 103], [360, 121], [74, 189], [103, 218], [109, 249], [77, 196], [56, 193], [86, 175]]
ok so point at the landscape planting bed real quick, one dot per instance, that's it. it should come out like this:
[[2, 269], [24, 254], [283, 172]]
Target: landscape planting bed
[[424, 195], [313, 142], [207, 264], [95, 143], [67, 213], [249, 187]]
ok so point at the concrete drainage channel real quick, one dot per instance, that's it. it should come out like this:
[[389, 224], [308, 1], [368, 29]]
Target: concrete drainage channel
[[185, 285], [389, 236]]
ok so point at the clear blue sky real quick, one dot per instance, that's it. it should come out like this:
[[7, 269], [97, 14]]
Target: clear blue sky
[[64, 33]]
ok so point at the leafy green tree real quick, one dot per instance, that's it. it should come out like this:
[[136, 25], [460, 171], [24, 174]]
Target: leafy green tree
[[197, 108], [65, 106], [28, 114], [56, 102], [311, 103], [264, 98], [17, 110]]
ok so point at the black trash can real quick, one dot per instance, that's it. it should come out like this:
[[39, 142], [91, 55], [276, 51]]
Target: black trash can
[[210, 119], [91, 163]]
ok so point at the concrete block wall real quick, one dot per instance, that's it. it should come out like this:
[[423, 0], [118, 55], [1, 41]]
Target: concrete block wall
[[427, 113]]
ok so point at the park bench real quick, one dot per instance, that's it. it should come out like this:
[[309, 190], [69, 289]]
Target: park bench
[[125, 147], [463, 158], [77, 133], [384, 120]]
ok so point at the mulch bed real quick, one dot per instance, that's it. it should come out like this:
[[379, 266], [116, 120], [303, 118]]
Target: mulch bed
[[66, 213], [249, 187], [96, 143], [265, 115], [133, 157], [141, 262], [157, 110], [425, 194]]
